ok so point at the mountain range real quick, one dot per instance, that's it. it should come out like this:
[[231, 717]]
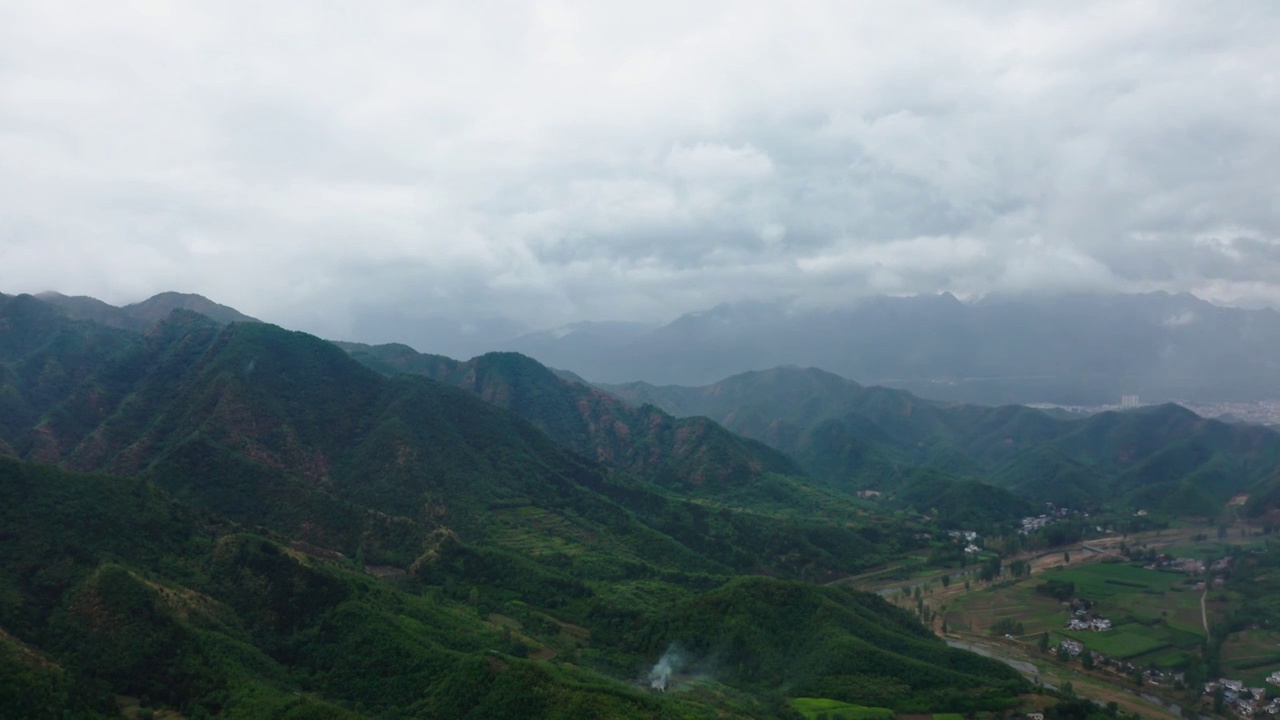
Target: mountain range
[[848, 435], [141, 315], [1081, 349], [211, 515], [236, 520], [977, 462]]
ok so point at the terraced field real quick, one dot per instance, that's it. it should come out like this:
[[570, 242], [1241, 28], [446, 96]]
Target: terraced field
[[534, 531]]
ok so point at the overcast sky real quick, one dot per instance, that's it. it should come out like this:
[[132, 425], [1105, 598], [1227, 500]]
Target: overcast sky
[[312, 163]]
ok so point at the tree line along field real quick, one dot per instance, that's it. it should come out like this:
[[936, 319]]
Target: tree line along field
[[1155, 615]]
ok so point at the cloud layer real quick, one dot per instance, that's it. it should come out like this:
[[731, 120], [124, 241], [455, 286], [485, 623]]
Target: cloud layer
[[315, 164]]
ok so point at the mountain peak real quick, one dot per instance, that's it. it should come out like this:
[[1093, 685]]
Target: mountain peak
[[140, 316], [158, 306]]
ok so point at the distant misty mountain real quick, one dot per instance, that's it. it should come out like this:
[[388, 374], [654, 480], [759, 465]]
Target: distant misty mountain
[[141, 315], [1070, 349], [429, 333]]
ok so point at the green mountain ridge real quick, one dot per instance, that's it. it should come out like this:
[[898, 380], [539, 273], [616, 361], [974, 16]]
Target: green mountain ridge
[[140, 316], [592, 423], [534, 582], [847, 435]]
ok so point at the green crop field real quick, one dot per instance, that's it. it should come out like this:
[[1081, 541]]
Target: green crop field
[[1126, 642], [1206, 550], [812, 707], [1156, 615], [1251, 655], [1020, 602], [1167, 658], [1100, 581]]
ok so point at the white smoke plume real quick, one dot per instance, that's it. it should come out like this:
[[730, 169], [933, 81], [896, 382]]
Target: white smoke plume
[[671, 662]]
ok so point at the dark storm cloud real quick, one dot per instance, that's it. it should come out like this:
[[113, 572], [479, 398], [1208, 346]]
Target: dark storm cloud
[[548, 162]]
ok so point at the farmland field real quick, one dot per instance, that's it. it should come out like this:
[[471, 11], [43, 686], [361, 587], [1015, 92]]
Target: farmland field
[[1099, 581], [1124, 642], [812, 707], [1155, 615], [1252, 655], [1205, 550], [979, 610]]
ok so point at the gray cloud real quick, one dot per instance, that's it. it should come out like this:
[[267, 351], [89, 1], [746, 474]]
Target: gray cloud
[[322, 165]]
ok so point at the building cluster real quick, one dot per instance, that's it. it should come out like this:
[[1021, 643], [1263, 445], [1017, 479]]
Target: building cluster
[[1217, 583], [1084, 619], [1123, 668], [1094, 624], [1031, 524], [1190, 566], [1152, 676], [1243, 700], [1071, 647], [969, 538], [1260, 412], [1218, 569]]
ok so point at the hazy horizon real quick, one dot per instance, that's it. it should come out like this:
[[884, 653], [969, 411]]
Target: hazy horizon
[[791, 304], [550, 163]]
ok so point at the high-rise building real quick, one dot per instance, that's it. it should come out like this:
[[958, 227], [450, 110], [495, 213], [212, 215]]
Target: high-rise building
[[1128, 402]]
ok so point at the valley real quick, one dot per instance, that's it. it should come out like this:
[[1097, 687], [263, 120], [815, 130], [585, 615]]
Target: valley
[[565, 360], [1158, 617], [221, 518]]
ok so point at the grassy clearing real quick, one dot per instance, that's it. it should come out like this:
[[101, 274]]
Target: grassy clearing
[[812, 707]]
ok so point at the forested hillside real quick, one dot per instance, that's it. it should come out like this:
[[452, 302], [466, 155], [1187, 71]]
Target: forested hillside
[[849, 436], [289, 533], [592, 423]]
